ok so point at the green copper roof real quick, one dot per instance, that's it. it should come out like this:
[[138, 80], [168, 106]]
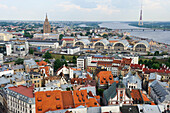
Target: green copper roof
[[110, 92]]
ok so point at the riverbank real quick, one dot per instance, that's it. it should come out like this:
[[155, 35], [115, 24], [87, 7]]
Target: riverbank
[[158, 36]]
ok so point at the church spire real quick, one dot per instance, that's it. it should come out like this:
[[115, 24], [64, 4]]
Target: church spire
[[46, 16], [46, 26]]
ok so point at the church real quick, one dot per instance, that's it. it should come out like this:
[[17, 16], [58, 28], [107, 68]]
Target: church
[[46, 26]]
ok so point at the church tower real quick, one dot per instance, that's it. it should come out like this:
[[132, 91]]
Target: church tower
[[46, 26]]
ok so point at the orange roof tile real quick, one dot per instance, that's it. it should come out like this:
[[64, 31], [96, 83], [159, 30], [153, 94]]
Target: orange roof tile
[[47, 68], [117, 61], [136, 94], [92, 103], [105, 77], [80, 97], [42, 63], [24, 90], [104, 63], [127, 61], [49, 100], [145, 98], [67, 99]]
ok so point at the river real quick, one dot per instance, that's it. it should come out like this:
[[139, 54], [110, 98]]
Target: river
[[159, 36]]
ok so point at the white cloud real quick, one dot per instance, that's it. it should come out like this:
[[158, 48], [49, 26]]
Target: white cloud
[[67, 6], [3, 6]]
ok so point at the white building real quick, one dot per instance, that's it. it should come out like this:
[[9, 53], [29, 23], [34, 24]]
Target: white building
[[51, 44], [5, 36], [1, 58], [20, 99], [65, 71], [5, 71], [71, 51], [81, 62], [134, 58], [47, 36], [5, 48]]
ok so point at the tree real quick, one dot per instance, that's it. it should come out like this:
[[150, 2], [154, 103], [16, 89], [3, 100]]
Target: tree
[[105, 35], [66, 64], [61, 36], [153, 59], [72, 34], [26, 34], [19, 61], [156, 53], [31, 51], [100, 92], [57, 64], [149, 53], [81, 34], [46, 60], [127, 38], [145, 62], [140, 61], [155, 66], [87, 33], [74, 59], [36, 60], [63, 57], [47, 55]]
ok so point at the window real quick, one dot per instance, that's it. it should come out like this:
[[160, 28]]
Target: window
[[120, 97], [121, 92]]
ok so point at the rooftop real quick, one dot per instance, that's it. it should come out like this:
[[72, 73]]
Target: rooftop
[[24, 90]]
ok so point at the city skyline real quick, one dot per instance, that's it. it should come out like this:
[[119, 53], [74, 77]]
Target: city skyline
[[85, 10]]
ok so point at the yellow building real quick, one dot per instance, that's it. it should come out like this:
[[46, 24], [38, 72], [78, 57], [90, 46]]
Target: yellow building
[[5, 36], [36, 79]]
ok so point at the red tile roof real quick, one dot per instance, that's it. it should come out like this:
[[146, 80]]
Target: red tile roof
[[67, 99], [117, 61], [127, 61], [92, 103], [147, 70], [145, 99], [137, 66], [48, 100], [47, 68], [80, 97], [103, 57], [104, 63], [136, 94], [42, 63], [24, 90], [105, 77], [68, 39]]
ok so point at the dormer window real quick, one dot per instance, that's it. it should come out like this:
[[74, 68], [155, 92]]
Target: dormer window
[[83, 99], [39, 108], [48, 94], [39, 99], [57, 98], [58, 107], [79, 100]]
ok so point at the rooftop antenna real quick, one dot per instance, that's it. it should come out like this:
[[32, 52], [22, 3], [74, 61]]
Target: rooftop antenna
[[141, 14]]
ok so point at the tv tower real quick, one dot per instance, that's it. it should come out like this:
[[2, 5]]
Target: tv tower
[[141, 14]]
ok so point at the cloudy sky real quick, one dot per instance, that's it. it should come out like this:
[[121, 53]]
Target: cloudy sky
[[85, 10]]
